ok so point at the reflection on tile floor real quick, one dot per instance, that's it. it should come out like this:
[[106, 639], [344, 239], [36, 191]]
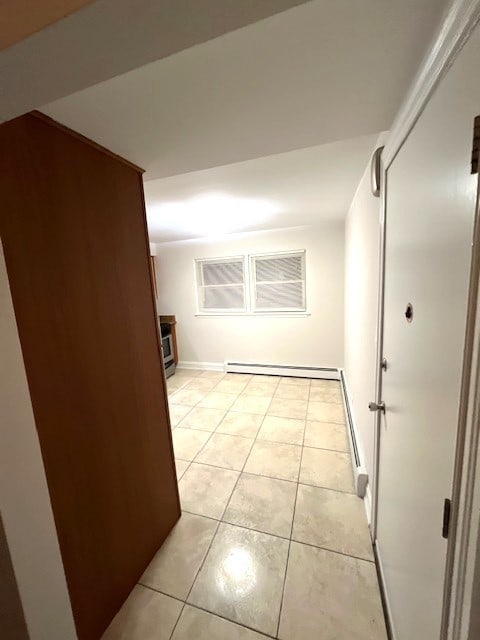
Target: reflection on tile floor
[[273, 542]]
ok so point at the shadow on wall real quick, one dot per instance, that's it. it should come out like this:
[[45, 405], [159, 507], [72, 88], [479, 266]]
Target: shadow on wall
[[12, 621]]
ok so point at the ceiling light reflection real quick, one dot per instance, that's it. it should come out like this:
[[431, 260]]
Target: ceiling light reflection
[[236, 575], [211, 214]]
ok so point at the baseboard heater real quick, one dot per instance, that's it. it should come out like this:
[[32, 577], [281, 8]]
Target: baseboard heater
[[327, 373], [359, 474]]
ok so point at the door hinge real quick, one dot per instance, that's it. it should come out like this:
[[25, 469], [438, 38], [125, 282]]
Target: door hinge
[[447, 507], [476, 145]]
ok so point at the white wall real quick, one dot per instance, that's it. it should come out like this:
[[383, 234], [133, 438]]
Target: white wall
[[24, 498], [313, 340], [362, 245]]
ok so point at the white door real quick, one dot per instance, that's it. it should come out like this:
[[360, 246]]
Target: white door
[[429, 221]]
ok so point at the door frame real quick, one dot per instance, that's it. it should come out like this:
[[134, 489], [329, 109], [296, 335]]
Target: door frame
[[466, 486], [458, 24]]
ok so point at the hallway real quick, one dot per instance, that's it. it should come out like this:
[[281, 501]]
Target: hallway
[[272, 537]]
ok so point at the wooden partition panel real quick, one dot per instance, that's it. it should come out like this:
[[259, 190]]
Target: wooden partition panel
[[72, 223]]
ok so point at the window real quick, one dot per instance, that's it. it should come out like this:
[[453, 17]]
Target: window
[[221, 285], [275, 283], [278, 282]]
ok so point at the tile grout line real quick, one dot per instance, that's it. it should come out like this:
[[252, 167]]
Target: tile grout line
[[213, 537], [190, 462], [240, 526], [235, 435], [293, 519], [196, 606], [172, 430], [197, 404], [234, 622], [181, 511], [249, 413], [338, 553], [195, 579], [219, 522], [184, 387], [256, 438], [185, 471], [275, 389], [180, 405], [243, 467], [215, 613], [204, 430], [274, 415], [211, 432], [244, 393], [206, 441], [201, 449], [163, 593], [262, 475], [241, 472], [276, 535]]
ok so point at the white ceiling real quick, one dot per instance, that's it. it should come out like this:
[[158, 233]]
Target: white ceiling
[[285, 111], [105, 39], [324, 71], [304, 187]]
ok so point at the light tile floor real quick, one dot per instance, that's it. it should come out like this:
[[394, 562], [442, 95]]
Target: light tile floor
[[272, 542]]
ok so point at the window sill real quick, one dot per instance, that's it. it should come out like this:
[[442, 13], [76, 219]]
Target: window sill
[[273, 314]]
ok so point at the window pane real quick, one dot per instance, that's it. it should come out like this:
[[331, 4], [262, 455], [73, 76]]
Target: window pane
[[280, 296], [279, 269], [222, 272], [223, 297]]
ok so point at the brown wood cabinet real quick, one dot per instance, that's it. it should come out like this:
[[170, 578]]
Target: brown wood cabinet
[[72, 223]]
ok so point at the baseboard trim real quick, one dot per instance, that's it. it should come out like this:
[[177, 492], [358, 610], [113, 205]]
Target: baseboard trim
[[368, 504], [295, 371], [359, 471], [207, 366]]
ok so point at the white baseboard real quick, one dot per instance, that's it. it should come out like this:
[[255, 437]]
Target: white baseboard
[[206, 366], [368, 504], [360, 474], [325, 373]]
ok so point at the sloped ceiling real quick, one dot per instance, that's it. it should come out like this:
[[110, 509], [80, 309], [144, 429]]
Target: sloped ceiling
[[303, 187], [286, 109], [27, 17], [324, 71], [103, 40]]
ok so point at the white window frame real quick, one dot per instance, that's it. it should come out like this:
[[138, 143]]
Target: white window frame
[[249, 287], [253, 283], [200, 285]]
